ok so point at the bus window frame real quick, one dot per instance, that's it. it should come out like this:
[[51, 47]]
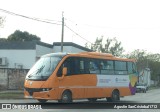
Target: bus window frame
[[119, 71], [87, 60]]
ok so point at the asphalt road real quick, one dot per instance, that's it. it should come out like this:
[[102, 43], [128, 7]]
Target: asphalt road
[[151, 97]]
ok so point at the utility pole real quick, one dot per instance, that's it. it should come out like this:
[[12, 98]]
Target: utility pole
[[62, 32]]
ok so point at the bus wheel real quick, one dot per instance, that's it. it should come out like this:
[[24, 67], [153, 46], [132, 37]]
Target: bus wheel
[[42, 100], [66, 97], [115, 96], [92, 100]]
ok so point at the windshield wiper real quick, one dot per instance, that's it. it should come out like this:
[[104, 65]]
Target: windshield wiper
[[40, 69], [37, 71]]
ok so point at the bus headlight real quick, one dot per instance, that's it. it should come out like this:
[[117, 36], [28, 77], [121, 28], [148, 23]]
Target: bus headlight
[[46, 89]]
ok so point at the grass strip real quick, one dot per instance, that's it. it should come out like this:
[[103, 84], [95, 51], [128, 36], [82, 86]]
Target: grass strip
[[11, 95]]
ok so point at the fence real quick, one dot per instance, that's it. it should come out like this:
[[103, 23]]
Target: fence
[[12, 78]]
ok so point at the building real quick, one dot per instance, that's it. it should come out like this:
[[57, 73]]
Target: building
[[16, 58], [22, 55], [69, 47]]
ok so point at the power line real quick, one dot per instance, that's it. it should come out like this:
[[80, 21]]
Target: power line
[[51, 20], [40, 20], [79, 35], [32, 18]]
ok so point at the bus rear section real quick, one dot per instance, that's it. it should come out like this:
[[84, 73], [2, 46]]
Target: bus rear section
[[81, 76]]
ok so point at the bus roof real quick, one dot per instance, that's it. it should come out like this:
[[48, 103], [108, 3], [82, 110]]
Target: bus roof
[[97, 54], [91, 55], [105, 56], [55, 54]]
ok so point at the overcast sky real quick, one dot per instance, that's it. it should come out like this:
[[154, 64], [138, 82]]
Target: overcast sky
[[136, 23]]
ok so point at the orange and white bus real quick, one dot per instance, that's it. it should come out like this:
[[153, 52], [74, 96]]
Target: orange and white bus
[[88, 75]]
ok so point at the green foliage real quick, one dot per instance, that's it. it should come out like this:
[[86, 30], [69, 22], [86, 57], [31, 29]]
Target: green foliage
[[116, 49], [112, 46], [97, 46], [11, 95], [141, 57], [3, 40], [147, 60], [154, 66], [22, 36]]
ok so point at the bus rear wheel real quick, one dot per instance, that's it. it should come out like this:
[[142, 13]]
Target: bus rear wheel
[[115, 96], [42, 100], [66, 97]]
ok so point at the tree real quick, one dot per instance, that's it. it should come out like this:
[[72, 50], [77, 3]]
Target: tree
[[154, 64], [22, 36], [147, 60], [97, 46], [3, 40], [112, 46], [141, 58], [155, 71]]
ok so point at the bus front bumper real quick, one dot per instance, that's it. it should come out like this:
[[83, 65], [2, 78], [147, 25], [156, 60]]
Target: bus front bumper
[[31, 93]]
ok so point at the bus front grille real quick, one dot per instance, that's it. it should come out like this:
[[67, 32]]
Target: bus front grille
[[32, 90]]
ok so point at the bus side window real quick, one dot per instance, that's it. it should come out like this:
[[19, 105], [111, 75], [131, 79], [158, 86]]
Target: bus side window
[[67, 64], [134, 68], [131, 67], [120, 67], [73, 66], [59, 73], [94, 67], [86, 66], [107, 67], [83, 67]]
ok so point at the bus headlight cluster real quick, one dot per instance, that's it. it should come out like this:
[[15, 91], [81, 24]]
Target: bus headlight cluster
[[46, 89]]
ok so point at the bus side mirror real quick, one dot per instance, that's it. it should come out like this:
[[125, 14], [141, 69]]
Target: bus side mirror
[[64, 71]]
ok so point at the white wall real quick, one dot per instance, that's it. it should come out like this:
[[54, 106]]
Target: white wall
[[68, 49], [41, 50], [25, 57], [145, 77]]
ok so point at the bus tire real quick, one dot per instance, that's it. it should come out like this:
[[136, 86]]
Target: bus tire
[[92, 100], [115, 96], [42, 100], [66, 97]]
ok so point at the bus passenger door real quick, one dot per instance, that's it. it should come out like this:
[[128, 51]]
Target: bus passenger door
[[91, 90], [70, 79]]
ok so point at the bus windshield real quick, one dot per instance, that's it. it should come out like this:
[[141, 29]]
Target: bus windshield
[[43, 68]]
